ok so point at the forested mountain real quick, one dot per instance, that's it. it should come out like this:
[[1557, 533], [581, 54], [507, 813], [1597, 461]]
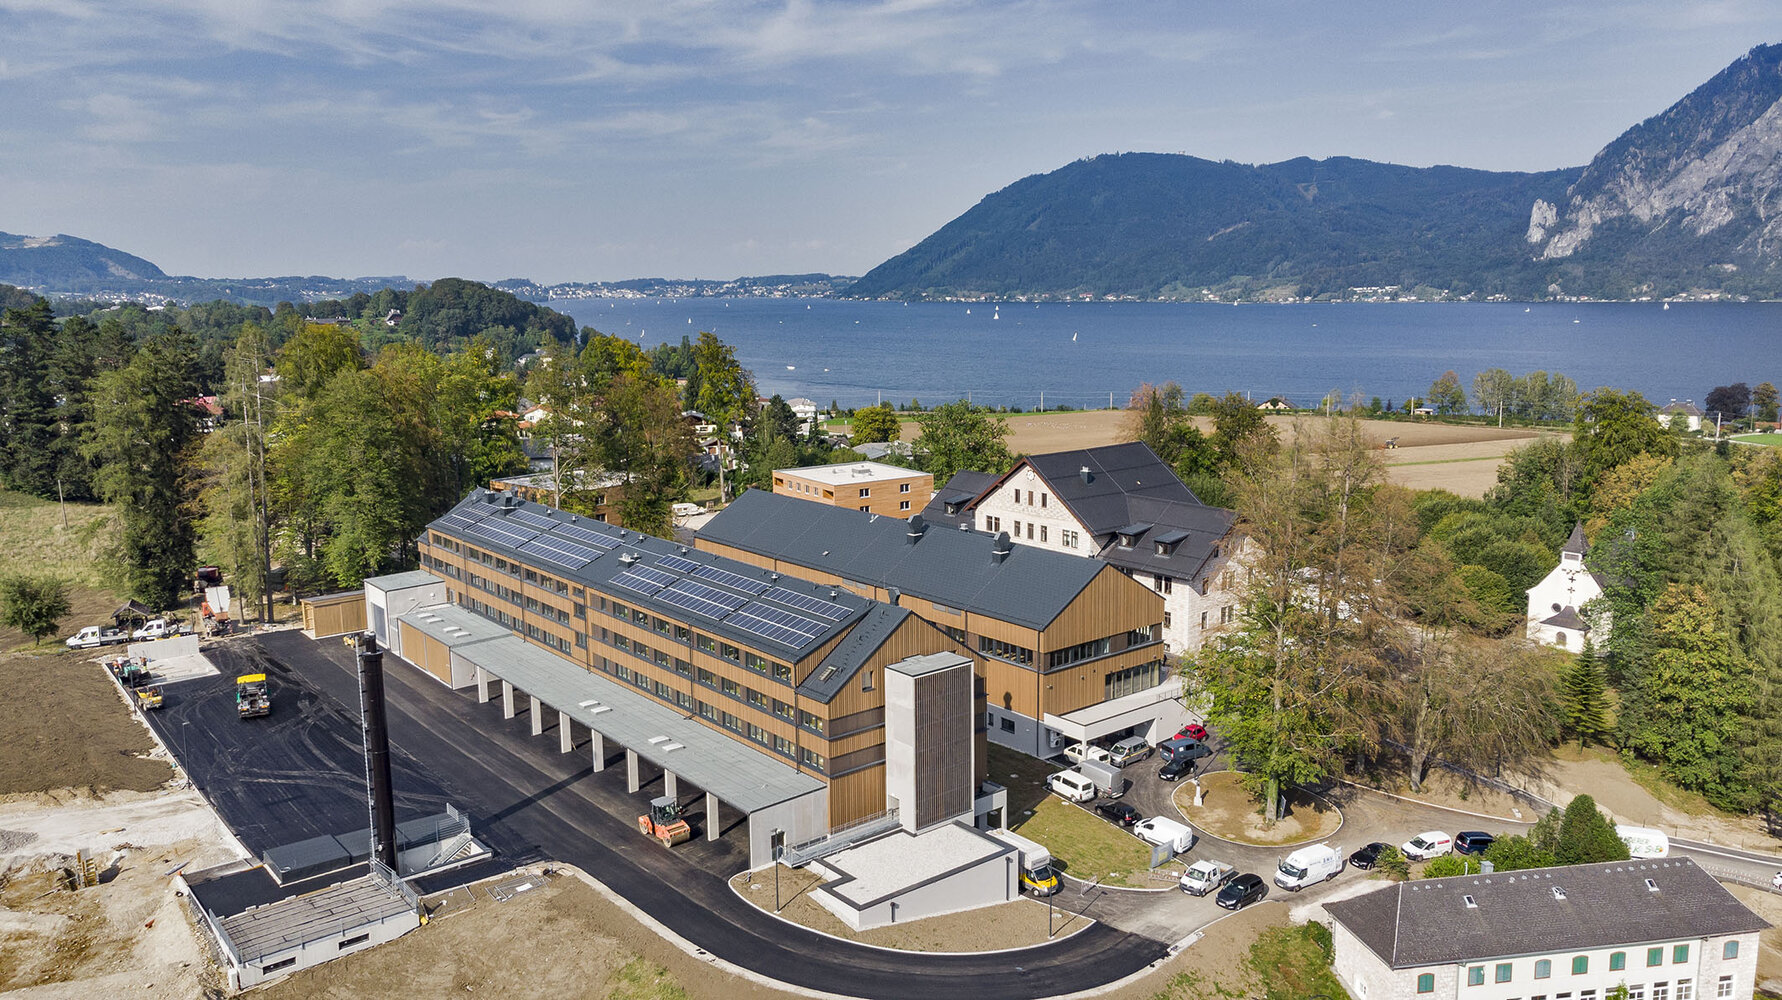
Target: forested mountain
[[70, 263], [1685, 202]]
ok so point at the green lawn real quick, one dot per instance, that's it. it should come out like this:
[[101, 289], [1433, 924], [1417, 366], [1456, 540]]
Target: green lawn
[[1764, 439], [33, 539], [1087, 846]]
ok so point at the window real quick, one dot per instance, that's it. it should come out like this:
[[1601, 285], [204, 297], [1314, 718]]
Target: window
[[283, 963], [1030, 530], [1503, 972], [1042, 532], [1661, 991], [1544, 969], [1636, 992], [1475, 975], [814, 723], [707, 710], [1679, 954], [1618, 961], [1654, 956], [992, 524], [783, 745], [1162, 584], [903, 488], [1017, 532], [1225, 615], [1729, 950], [1042, 499], [731, 688], [1029, 497], [1068, 538], [903, 505], [866, 508], [1203, 621], [783, 710], [1005, 650], [1166, 619], [729, 652], [866, 682], [1426, 983], [757, 699], [1580, 964], [1724, 988], [1685, 989], [355, 939], [866, 491], [811, 757], [1008, 724]]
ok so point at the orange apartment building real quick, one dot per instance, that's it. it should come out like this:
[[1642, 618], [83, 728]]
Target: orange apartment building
[[873, 487]]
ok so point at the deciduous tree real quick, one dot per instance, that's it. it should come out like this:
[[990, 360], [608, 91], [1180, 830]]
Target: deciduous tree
[[35, 605], [1446, 395], [957, 436], [875, 423]]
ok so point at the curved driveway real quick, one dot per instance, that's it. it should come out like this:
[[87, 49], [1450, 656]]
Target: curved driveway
[[535, 804]]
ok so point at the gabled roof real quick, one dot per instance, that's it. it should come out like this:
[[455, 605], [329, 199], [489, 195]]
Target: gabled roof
[[850, 654], [1567, 618], [1028, 586], [1576, 545], [1096, 483], [1428, 922], [1189, 533], [959, 493]]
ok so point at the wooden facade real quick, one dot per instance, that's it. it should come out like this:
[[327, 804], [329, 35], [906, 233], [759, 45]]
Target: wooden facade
[[334, 614], [867, 486], [749, 695]]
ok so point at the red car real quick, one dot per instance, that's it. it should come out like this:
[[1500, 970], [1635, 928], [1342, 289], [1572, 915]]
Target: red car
[[1194, 731]]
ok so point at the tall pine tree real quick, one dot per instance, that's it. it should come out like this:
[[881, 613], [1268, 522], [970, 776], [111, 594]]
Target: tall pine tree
[[27, 409], [1585, 697]]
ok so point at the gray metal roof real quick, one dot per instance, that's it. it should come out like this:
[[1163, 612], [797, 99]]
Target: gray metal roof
[[1189, 532], [1428, 922], [453, 626], [845, 660], [276, 928], [1576, 544], [959, 492], [735, 772], [1567, 618], [1030, 586], [618, 550], [403, 581]]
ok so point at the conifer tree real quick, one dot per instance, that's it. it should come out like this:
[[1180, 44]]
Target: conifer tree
[[1583, 689]]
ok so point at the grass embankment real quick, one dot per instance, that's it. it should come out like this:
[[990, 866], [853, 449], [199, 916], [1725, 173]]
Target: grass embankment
[[35, 540], [1283, 963], [1763, 439], [1081, 842]]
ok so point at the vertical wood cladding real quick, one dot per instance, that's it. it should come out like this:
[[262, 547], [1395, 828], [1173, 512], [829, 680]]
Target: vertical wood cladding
[[943, 729]]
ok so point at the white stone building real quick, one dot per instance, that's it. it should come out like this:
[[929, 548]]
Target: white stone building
[[1555, 605], [1664, 929], [1122, 504]]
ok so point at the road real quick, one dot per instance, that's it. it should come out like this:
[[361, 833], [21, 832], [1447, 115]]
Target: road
[[525, 798]]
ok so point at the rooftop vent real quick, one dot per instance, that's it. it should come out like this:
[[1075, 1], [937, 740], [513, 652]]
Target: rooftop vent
[[684, 550], [627, 557], [1559, 892], [917, 526], [1084, 472], [1651, 886], [1471, 903], [1001, 548], [833, 594]]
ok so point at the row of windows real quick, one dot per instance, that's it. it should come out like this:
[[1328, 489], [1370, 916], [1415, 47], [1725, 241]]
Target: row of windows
[[1081, 651], [1132, 680], [1504, 972], [1723, 989], [514, 622], [1005, 650]]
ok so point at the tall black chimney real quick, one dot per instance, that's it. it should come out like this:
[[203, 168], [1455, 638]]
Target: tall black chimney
[[377, 752]]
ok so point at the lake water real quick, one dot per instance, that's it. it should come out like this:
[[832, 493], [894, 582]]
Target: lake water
[[1083, 354]]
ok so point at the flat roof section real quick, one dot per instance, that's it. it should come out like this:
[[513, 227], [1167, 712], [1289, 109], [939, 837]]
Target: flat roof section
[[278, 927], [453, 625], [928, 663], [844, 473], [902, 861], [739, 775], [1094, 721], [403, 581]]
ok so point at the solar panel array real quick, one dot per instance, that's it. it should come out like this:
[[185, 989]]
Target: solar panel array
[[805, 602], [770, 622], [695, 602], [678, 564], [532, 517], [506, 535], [457, 520], [560, 552], [722, 598], [735, 581], [645, 580], [589, 535]]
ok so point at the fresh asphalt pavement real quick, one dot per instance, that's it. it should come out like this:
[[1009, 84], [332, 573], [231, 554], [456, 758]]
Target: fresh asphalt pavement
[[528, 800]]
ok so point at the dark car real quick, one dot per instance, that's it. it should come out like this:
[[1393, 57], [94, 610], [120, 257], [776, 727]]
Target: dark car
[[1180, 767], [1183, 748], [1119, 812], [1242, 891], [1193, 731], [1368, 856], [1472, 842]]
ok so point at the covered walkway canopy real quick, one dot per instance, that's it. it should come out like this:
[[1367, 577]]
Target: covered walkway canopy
[[748, 779], [1160, 706]]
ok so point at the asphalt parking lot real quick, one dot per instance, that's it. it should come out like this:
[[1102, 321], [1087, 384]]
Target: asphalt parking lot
[[295, 774]]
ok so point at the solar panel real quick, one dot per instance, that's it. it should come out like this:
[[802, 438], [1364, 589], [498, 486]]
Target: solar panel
[[679, 564], [693, 602], [728, 601], [646, 580], [785, 619], [509, 536], [533, 518], [735, 581], [556, 550], [769, 630], [588, 535], [805, 602]]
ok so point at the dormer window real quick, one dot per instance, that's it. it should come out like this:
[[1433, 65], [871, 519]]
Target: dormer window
[[1164, 549]]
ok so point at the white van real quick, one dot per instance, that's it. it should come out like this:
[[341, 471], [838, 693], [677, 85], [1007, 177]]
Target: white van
[[1071, 786], [1643, 842], [1426, 845], [1160, 831], [1309, 866]]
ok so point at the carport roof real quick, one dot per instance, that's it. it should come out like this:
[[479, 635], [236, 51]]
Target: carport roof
[[739, 775], [452, 625]]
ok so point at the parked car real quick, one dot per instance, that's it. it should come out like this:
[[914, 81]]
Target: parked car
[[1071, 786], [1161, 831], [1193, 731], [1076, 753], [1184, 747], [1242, 891], [1369, 856], [1119, 813], [1180, 767], [1430, 844], [1130, 751], [1472, 841], [1308, 866]]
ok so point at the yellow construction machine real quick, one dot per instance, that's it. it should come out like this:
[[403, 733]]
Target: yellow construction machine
[[664, 822]]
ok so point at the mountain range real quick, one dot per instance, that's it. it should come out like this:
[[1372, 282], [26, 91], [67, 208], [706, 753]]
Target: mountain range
[[1687, 202]]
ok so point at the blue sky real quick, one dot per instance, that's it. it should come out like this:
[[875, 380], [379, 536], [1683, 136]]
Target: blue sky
[[585, 140]]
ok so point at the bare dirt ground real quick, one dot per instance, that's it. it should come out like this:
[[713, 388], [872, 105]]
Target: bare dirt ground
[[1015, 924], [1228, 811], [64, 726]]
